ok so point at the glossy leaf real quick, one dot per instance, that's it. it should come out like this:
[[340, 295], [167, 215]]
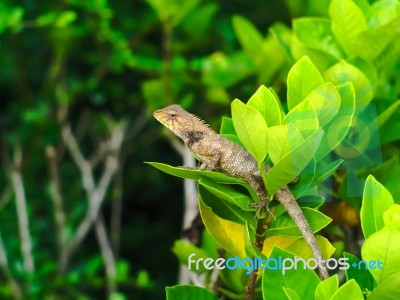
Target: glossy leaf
[[285, 226], [325, 101], [376, 200], [348, 22], [325, 171], [248, 36], [362, 276], [227, 234], [349, 290], [303, 78], [274, 282], [344, 72], [188, 292], [251, 129], [292, 164], [227, 193], [391, 217], [183, 249], [337, 129], [327, 288], [222, 209], [388, 288], [265, 102], [383, 246], [282, 140], [304, 117], [317, 34], [301, 249]]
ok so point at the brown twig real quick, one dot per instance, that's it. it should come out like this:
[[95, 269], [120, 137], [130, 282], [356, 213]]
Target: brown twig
[[107, 254], [116, 211], [22, 212], [259, 243], [95, 193], [59, 214], [17, 292]]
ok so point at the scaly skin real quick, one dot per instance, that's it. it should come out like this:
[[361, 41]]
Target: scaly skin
[[217, 153]]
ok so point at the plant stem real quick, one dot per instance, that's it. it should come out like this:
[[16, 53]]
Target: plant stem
[[259, 243]]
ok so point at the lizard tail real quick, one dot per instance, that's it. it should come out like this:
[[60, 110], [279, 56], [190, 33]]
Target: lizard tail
[[285, 197]]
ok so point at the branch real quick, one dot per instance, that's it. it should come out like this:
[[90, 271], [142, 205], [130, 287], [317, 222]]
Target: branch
[[22, 214], [107, 254], [7, 273], [59, 214], [259, 243], [95, 194], [116, 211]]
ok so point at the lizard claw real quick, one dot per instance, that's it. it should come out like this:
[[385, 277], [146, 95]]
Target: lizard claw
[[260, 206]]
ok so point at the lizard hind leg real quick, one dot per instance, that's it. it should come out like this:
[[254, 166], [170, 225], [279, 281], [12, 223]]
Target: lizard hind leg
[[257, 184]]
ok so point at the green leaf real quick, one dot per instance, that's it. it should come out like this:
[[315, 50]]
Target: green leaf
[[327, 288], [304, 117], [65, 18], [303, 78], [172, 10], [316, 33], [196, 174], [384, 116], [376, 200], [251, 129], [391, 217], [349, 290], [11, 17], [383, 246], [292, 164], [325, 100], [361, 275], [228, 131], [384, 11], [227, 126], [301, 249], [153, 93], [183, 250], [227, 234], [348, 22], [283, 35], [325, 171], [338, 128], [274, 282], [223, 209], [344, 72], [221, 70], [57, 19], [307, 177], [285, 226], [188, 292], [227, 193], [291, 294], [249, 37], [197, 21], [265, 102], [372, 42], [282, 140], [388, 289]]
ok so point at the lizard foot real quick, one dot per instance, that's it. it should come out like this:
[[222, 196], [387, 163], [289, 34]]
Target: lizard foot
[[260, 206]]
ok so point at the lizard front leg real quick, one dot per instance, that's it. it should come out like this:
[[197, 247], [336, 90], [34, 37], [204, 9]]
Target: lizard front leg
[[210, 162]]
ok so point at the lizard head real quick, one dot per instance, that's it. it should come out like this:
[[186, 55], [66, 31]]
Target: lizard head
[[184, 125]]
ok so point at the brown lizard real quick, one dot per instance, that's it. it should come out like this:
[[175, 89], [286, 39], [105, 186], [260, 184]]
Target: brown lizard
[[218, 153]]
